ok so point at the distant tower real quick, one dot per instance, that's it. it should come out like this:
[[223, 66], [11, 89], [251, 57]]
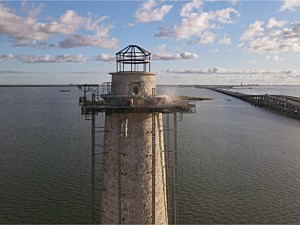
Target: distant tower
[[134, 170]]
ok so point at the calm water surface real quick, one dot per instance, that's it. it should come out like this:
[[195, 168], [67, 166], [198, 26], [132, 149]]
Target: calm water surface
[[238, 163], [292, 90]]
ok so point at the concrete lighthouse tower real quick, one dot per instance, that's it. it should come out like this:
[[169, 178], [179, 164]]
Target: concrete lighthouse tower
[[139, 186], [134, 181]]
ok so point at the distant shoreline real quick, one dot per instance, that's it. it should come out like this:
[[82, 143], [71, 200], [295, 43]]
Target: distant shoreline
[[75, 85], [38, 85], [162, 85]]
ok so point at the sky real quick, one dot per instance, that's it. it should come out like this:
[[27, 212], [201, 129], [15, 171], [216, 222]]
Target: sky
[[191, 42]]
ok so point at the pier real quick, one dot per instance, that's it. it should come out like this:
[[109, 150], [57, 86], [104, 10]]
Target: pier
[[288, 105]]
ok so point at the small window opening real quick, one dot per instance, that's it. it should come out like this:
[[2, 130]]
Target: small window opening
[[135, 90]]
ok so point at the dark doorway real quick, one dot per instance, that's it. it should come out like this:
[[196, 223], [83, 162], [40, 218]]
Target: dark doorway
[[136, 90]]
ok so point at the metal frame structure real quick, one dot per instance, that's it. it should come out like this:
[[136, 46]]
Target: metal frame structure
[[133, 56]]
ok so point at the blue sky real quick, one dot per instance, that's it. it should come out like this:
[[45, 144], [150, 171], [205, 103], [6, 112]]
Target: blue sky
[[192, 42]]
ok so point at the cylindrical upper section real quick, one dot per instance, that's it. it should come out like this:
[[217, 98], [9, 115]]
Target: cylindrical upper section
[[133, 59], [133, 83]]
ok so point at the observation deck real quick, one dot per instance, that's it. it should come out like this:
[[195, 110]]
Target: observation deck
[[110, 103]]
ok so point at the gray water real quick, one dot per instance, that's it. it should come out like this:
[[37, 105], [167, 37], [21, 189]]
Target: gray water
[[237, 163], [291, 90]]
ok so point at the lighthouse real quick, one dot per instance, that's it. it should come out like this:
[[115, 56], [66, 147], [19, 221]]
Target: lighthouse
[[135, 186], [129, 195]]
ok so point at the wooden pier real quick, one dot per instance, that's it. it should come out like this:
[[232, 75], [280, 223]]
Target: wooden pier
[[288, 105]]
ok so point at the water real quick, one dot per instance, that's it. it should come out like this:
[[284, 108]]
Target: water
[[271, 90], [238, 163]]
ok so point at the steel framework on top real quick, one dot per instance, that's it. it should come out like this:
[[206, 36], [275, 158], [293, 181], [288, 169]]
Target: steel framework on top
[[129, 59]]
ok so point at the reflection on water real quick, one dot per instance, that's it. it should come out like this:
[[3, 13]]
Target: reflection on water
[[237, 163]]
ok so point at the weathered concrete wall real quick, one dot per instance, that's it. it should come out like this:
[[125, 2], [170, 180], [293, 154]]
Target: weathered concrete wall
[[135, 138], [123, 83]]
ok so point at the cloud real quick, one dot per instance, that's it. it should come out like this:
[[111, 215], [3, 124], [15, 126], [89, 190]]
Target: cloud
[[96, 40], [51, 59], [149, 11], [293, 33], [191, 26], [173, 56], [273, 23], [220, 70], [263, 44], [6, 57], [28, 30], [253, 30], [67, 24], [206, 38], [273, 58], [195, 21], [291, 5], [224, 15], [276, 36], [106, 57], [189, 55], [233, 2], [162, 52], [188, 8], [165, 56], [225, 40], [21, 29], [252, 61]]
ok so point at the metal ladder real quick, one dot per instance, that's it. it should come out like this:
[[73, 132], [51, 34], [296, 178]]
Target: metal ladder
[[153, 160], [120, 170], [96, 170]]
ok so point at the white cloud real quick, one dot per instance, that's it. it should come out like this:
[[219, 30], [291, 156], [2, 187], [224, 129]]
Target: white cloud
[[214, 50], [6, 57], [189, 55], [29, 31], [131, 24], [195, 21], [67, 24], [263, 44], [220, 70], [273, 23], [106, 57], [149, 11], [164, 54], [224, 15], [96, 40], [292, 33], [233, 2], [188, 8], [253, 30], [279, 37], [290, 5], [51, 59], [190, 26], [273, 58], [205, 38], [21, 29], [252, 61], [225, 40]]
